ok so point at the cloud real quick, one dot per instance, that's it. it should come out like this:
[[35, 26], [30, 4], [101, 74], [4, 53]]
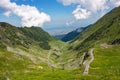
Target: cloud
[[90, 6], [115, 2], [29, 15], [80, 13], [70, 23], [69, 2]]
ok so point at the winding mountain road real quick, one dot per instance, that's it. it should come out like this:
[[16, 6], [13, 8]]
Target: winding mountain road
[[88, 62]]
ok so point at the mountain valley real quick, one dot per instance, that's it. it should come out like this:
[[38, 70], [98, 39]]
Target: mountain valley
[[30, 53]]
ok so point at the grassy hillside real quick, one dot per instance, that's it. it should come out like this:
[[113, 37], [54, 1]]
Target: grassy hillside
[[106, 65], [38, 35], [26, 50], [10, 35]]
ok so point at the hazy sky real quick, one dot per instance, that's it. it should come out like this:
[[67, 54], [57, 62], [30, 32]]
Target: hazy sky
[[54, 16]]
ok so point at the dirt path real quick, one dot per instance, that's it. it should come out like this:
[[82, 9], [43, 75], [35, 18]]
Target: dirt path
[[105, 45], [55, 52], [49, 61], [82, 59], [88, 62]]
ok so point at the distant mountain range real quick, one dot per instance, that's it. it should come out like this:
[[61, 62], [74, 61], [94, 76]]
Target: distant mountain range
[[71, 35]]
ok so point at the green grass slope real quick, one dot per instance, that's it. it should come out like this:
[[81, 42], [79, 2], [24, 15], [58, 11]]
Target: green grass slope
[[27, 51], [106, 65], [37, 34], [10, 35]]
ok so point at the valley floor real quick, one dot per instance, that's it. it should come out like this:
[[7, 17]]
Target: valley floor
[[105, 66]]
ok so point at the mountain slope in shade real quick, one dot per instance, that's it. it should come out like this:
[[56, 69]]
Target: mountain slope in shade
[[73, 34]]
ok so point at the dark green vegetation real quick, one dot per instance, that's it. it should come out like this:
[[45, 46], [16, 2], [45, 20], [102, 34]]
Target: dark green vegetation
[[11, 36], [38, 35], [32, 54]]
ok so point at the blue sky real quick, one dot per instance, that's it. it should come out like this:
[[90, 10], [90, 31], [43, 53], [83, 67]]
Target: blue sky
[[54, 16]]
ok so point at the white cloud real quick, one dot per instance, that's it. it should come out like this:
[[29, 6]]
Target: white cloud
[[7, 13], [69, 2], [94, 5], [90, 6], [70, 23], [29, 15], [115, 3], [80, 13]]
